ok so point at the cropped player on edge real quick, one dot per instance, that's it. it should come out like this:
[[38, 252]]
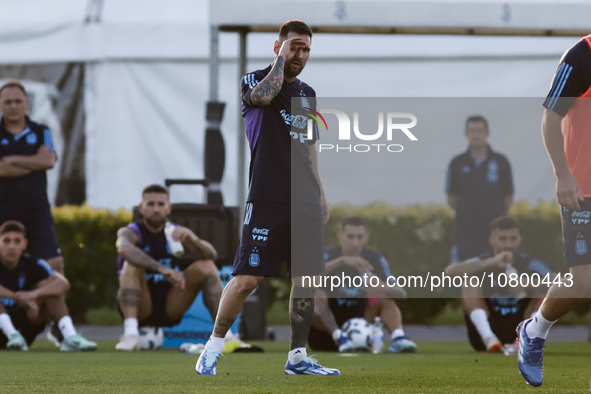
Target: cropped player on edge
[[31, 291], [566, 124]]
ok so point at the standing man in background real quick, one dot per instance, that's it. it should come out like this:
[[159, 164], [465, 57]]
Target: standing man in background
[[26, 153], [479, 188]]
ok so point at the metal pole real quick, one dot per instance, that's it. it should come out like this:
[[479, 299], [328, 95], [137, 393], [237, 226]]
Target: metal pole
[[214, 64], [241, 194]]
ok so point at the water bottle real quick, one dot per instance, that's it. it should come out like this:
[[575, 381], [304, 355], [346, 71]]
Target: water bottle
[[377, 336], [176, 247]]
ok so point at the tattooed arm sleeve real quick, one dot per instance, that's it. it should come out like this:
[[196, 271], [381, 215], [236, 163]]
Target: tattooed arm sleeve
[[126, 248], [269, 87]]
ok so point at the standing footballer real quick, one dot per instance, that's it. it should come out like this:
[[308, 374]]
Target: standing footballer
[[567, 136], [285, 191]]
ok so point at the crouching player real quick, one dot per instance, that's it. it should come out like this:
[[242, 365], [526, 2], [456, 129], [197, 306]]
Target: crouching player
[[152, 289], [493, 313], [30, 291], [353, 258]]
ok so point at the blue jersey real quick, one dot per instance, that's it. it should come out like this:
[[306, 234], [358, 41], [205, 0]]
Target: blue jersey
[[277, 135], [155, 246], [24, 277], [351, 302], [481, 188], [498, 298], [26, 193]]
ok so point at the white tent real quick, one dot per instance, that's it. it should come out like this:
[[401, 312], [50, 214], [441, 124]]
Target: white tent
[[148, 78]]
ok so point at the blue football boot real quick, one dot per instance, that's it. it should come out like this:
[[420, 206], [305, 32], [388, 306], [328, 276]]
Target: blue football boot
[[530, 356], [208, 362], [309, 366]]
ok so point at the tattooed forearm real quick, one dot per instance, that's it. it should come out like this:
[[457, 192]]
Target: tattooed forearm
[[301, 311], [136, 256], [201, 249], [269, 87], [130, 297], [212, 292], [126, 248]]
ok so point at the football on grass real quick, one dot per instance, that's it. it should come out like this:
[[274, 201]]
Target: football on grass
[[151, 338]]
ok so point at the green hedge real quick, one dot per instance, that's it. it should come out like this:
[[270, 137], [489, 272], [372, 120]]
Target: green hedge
[[87, 238], [413, 235]]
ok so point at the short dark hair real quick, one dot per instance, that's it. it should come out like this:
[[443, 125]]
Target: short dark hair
[[297, 26], [13, 84], [353, 221], [504, 223], [155, 188], [477, 118], [12, 226]]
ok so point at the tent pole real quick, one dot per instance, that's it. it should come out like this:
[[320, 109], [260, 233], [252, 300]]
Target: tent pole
[[241, 195], [214, 63]]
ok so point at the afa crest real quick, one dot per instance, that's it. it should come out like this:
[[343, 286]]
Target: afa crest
[[254, 260], [32, 139]]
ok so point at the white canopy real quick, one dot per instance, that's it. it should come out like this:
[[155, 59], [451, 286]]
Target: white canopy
[[147, 76]]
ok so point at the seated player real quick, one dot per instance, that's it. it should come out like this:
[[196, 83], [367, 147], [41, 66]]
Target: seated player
[[152, 289], [352, 258], [493, 313], [31, 291]]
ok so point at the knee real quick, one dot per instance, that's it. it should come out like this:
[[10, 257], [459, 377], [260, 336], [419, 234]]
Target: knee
[[202, 268], [246, 283], [130, 270]]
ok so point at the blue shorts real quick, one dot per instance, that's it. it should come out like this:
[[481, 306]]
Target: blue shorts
[[158, 297], [576, 234], [274, 233], [40, 233]]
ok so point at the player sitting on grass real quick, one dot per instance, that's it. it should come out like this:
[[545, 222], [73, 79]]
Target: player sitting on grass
[[30, 291], [352, 258], [492, 313], [152, 289]]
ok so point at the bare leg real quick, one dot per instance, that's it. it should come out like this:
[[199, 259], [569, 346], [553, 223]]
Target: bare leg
[[472, 298], [232, 301], [560, 299], [134, 298], [323, 318], [202, 274], [301, 310], [388, 311]]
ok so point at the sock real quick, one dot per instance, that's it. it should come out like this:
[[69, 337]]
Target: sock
[[216, 343], [336, 335], [130, 327], [480, 320], [399, 332], [539, 326], [66, 326], [533, 315], [296, 355], [6, 325]]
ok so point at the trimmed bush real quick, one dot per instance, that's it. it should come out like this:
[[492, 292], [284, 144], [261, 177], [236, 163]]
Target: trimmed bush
[[87, 238], [417, 237]]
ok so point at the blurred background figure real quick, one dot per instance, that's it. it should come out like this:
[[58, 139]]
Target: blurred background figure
[[353, 258], [479, 188], [493, 312]]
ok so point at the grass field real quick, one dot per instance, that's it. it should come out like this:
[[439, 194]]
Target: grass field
[[439, 367]]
